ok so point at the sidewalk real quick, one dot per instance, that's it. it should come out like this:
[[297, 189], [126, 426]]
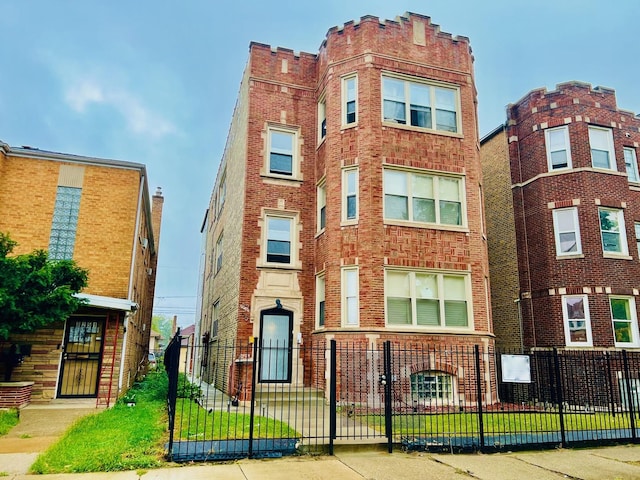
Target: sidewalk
[[41, 425]]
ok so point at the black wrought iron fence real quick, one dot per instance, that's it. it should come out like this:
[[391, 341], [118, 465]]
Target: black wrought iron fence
[[232, 401]]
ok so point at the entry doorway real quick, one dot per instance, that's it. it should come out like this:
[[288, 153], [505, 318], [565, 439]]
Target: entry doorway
[[276, 338], [81, 357]]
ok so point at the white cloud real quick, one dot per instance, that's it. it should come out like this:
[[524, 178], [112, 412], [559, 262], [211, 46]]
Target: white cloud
[[83, 92]]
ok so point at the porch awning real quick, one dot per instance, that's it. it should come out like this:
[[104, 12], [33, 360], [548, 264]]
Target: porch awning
[[110, 303]]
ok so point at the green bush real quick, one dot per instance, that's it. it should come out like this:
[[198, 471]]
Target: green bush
[[186, 389]]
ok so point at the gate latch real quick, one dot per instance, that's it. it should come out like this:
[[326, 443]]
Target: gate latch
[[383, 379]]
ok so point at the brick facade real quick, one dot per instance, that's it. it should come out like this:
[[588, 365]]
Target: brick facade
[[287, 91], [116, 240], [550, 274]]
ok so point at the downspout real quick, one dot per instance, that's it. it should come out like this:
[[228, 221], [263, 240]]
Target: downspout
[[134, 251]]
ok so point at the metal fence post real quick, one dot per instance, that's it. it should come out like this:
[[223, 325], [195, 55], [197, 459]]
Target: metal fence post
[[559, 396], [388, 413], [333, 406], [476, 349], [253, 394], [627, 382], [171, 361]]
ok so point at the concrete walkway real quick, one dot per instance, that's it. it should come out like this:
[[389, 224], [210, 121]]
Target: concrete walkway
[[40, 426]]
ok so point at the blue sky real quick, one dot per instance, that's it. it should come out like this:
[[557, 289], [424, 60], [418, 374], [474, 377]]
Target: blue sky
[[155, 82]]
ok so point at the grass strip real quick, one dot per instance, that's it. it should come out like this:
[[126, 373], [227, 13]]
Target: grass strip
[[8, 420], [120, 438]]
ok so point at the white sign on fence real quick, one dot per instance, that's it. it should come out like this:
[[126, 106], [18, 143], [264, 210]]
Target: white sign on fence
[[516, 368]]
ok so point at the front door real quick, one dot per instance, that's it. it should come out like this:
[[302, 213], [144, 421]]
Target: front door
[[276, 335], [81, 357]]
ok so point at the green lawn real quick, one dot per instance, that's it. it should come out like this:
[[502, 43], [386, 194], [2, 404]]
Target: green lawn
[[493, 422], [8, 420], [195, 423], [120, 438]]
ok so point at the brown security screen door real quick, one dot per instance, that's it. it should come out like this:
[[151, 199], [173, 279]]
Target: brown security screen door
[[81, 357], [276, 330]]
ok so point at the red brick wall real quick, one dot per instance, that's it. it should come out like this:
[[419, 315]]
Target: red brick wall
[[578, 106]]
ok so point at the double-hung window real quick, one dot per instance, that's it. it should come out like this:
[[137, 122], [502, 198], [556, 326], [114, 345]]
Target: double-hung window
[[558, 149], [637, 230], [349, 100], [215, 321], [219, 253], [350, 293], [631, 164], [322, 207], [577, 327], [567, 231], [420, 104], [282, 152], [601, 143], [625, 321], [320, 289], [350, 195], [426, 299], [422, 198], [614, 238], [322, 119], [279, 239]]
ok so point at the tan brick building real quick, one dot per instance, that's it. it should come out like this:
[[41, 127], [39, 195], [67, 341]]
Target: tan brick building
[[569, 212], [348, 203], [99, 213]]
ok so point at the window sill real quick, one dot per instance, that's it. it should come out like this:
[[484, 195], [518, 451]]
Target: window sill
[[403, 126], [568, 257], [278, 266], [280, 179], [349, 223], [617, 256], [430, 329], [320, 232], [430, 226], [348, 126]]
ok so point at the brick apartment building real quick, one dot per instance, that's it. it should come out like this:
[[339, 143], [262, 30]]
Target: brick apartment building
[[563, 219], [99, 213], [348, 202]]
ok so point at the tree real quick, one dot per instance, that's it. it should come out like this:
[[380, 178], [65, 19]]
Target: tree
[[163, 325], [34, 290]]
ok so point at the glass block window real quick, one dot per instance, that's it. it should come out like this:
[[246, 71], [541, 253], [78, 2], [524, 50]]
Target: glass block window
[[65, 223]]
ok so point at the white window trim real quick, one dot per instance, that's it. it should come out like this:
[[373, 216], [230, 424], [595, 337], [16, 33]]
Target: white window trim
[[345, 194], [610, 149], [623, 234], [557, 232], [634, 165], [436, 225], [421, 81], [321, 282], [440, 279], [322, 116], [296, 167], [636, 229], [344, 99], [321, 201], [219, 252], [634, 322], [587, 320], [343, 296], [567, 144], [295, 262]]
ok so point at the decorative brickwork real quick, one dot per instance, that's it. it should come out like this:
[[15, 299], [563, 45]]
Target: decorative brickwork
[[567, 171], [327, 128]]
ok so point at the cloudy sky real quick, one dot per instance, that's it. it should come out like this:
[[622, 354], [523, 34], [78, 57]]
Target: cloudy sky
[[155, 82]]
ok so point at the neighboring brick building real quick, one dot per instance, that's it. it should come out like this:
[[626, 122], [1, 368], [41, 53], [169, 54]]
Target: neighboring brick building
[[572, 219], [99, 213], [349, 193]]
